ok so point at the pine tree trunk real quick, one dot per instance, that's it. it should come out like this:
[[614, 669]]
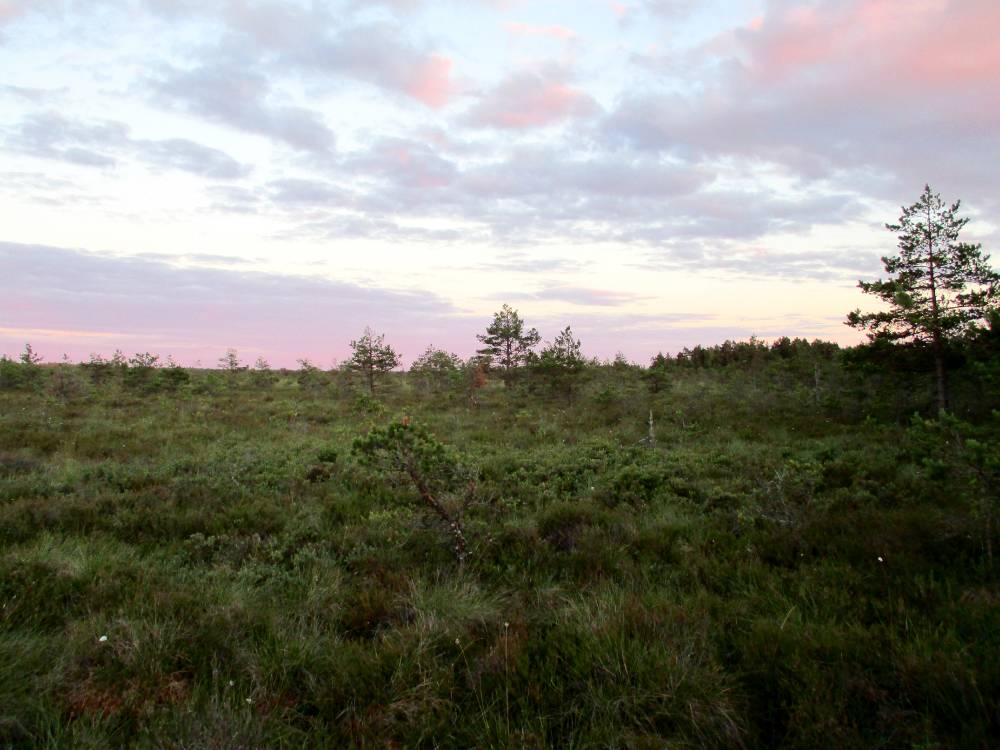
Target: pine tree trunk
[[942, 378], [941, 375], [452, 523]]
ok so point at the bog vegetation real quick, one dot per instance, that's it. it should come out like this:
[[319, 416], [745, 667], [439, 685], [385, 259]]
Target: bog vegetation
[[782, 544]]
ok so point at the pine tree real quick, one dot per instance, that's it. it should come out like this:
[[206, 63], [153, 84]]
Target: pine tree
[[230, 362], [561, 363], [657, 375], [372, 357], [436, 369], [939, 288], [508, 345]]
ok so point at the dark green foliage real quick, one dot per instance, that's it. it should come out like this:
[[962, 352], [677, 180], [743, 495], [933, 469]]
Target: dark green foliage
[[435, 472], [636, 484], [657, 375], [564, 524], [938, 289], [560, 365], [10, 374], [24, 373], [507, 344], [172, 377], [261, 375], [140, 373], [100, 370], [328, 455], [372, 357], [367, 405], [436, 370], [311, 378]]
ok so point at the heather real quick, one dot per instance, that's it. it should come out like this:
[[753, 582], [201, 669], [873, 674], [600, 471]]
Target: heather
[[747, 545]]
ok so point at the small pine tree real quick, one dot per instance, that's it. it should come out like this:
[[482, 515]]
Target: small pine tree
[[31, 371], [98, 369], [445, 487], [230, 362], [309, 376], [372, 357], [10, 373], [140, 369], [507, 344], [65, 382], [435, 370], [29, 357], [657, 375], [173, 376], [262, 375], [561, 363]]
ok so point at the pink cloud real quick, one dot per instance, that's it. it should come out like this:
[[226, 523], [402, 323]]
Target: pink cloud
[[61, 304], [421, 169], [408, 164], [555, 32], [880, 93], [877, 45], [531, 100], [431, 82], [11, 10]]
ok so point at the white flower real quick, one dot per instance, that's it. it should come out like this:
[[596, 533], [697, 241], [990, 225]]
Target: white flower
[[103, 639], [249, 700], [880, 558]]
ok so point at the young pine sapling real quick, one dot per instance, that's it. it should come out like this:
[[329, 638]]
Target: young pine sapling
[[410, 452]]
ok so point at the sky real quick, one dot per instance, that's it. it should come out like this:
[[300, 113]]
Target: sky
[[185, 176]]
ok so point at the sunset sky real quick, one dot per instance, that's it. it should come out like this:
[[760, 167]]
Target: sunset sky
[[183, 176]]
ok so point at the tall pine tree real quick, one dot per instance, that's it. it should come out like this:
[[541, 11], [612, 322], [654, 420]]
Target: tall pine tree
[[939, 288]]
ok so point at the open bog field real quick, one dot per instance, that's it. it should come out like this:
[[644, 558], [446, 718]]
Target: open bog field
[[220, 564]]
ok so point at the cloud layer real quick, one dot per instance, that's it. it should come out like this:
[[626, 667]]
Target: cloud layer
[[149, 302], [671, 136]]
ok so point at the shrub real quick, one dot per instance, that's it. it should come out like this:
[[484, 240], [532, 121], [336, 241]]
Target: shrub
[[65, 383], [436, 370], [410, 452], [633, 484], [25, 373], [563, 524], [172, 377], [139, 375], [10, 373], [309, 377]]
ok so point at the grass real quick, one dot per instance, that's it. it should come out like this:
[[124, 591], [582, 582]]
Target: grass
[[212, 567]]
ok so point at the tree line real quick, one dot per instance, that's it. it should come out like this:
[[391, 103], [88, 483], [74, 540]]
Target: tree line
[[939, 311]]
